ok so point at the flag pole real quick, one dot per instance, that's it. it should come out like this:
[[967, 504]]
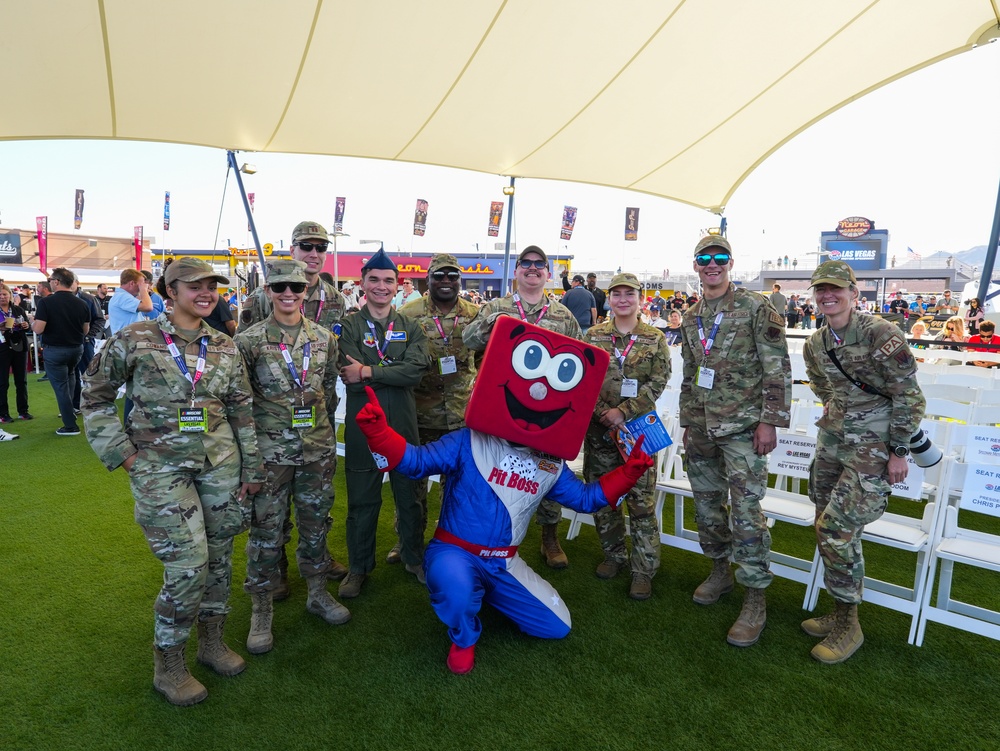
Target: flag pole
[[991, 254]]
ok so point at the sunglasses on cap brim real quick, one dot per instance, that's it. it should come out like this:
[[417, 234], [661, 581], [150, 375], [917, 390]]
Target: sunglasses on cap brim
[[721, 259]]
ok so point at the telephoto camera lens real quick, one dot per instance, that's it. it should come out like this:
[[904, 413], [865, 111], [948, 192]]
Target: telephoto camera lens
[[924, 452]]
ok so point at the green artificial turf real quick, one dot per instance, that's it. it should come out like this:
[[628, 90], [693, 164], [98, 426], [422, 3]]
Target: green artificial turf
[[78, 584]]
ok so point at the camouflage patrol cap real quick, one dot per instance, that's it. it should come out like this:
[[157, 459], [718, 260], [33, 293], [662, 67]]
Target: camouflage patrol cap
[[837, 273], [189, 269], [309, 231], [443, 261], [625, 280], [532, 249], [285, 270], [713, 241]]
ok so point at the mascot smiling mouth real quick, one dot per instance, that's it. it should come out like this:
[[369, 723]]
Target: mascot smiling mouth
[[529, 419]]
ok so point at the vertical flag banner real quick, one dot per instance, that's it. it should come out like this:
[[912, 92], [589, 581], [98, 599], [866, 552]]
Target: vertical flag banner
[[250, 197], [496, 214], [42, 225], [338, 215], [78, 212], [568, 222], [631, 224], [166, 211], [137, 244], [420, 218]]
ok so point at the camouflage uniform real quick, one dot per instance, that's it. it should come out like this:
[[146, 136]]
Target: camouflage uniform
[[324, 305], [848, 480], [441, 399], [393, 383], [299, 461], [185, 484], [648, 362], [557, 318], [752, 386]]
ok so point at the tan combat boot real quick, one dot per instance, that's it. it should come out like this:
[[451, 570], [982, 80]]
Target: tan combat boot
[[641, 587], [212, 651], [172, 678], [260, 640], [746, 631], [820, 627], [337, 571], [321, 603], [845, 638], [283, 590], [718, 583], [551, 551]]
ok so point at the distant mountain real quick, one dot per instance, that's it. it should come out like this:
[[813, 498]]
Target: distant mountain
[[973, 257]]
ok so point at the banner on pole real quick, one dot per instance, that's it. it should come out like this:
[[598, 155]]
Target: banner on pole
[[78, 212], [338, 215], [496, 215], [250, 197], [420, 218], [137, 244], [42, 227], [631, 224], [568, 222], [166, 210]]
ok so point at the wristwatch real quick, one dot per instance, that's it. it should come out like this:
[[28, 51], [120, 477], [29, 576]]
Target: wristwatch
[[901, 451]]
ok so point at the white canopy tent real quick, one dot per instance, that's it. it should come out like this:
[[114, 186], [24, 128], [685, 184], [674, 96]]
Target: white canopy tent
[[677, 98]]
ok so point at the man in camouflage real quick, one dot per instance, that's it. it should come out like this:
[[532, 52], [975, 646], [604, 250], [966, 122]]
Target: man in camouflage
[[292, 367], [736, 390], [531, 304], [445, 388], [638, 375], [323, 306], [187, 447], [862, 444]]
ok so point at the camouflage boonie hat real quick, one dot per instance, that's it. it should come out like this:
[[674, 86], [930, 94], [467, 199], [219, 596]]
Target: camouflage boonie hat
[[443, 261], [189, 269], [837, 273], [625, 280], [713, 241], [309, 231], [285, 270]]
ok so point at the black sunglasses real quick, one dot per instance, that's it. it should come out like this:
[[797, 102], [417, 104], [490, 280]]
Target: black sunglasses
[[296, 287], [318, 247], [451, 276], [721, 259], [526, 264]]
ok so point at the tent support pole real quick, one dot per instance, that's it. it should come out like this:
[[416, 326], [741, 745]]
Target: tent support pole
[[991, 254], [506, 249], [231, 155]]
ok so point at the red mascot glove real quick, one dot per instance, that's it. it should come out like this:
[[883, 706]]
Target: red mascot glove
[[618, 482], [382, 439]]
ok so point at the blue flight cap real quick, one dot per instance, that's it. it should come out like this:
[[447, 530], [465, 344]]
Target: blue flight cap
[[380, 260]]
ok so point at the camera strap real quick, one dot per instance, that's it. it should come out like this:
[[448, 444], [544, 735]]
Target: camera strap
[[860, 384]]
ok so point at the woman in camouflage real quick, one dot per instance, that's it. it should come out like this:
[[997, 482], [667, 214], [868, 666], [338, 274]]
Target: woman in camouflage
[[637, 376], [190, 450]]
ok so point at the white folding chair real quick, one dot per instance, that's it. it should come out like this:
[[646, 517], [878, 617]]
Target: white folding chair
[[989, 415], [957, 543], [966, 377], [672, 480], [948, 392], [988, 397], [907, 533], [944, 409], [789, 462]]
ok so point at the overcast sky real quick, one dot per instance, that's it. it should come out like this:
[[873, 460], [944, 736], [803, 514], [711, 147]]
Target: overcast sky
[[920, 157]]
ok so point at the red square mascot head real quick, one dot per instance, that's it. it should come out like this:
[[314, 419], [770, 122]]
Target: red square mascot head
[[537, 388]]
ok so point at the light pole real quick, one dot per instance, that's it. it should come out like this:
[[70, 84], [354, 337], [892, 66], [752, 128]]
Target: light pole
[[336, 266]]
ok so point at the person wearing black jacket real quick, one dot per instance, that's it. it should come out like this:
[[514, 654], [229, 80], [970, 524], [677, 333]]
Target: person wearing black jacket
[[13, 355]]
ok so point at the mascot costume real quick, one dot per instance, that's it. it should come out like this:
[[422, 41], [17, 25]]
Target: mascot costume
[[529, 411]]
